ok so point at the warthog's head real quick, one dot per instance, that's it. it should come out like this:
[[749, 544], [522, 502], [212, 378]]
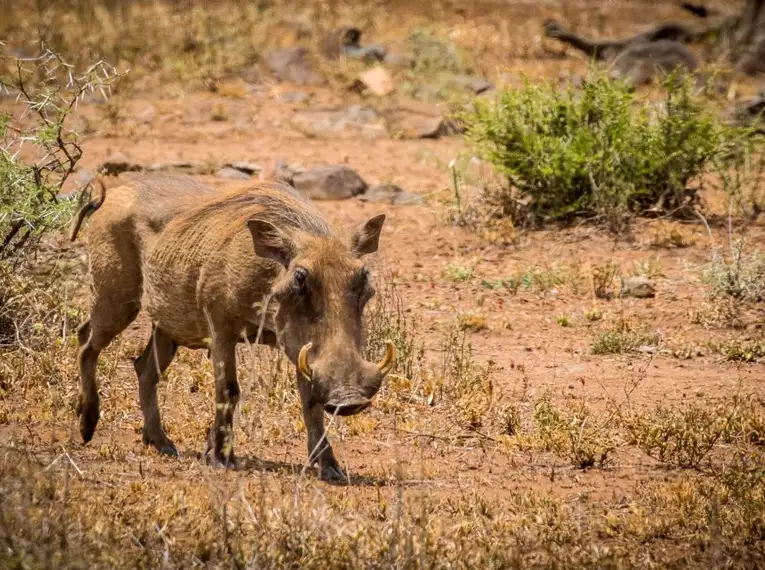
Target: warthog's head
[[321, 298]]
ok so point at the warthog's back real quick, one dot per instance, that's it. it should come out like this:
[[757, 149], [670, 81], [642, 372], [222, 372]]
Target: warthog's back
[[157, 199], [204, 260], [143, 206]]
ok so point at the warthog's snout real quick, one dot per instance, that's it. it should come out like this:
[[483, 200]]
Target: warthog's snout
[[353, 388], [347, 408]]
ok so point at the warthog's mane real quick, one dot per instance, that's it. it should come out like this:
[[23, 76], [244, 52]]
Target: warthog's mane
[[219, 225], [283, 208]]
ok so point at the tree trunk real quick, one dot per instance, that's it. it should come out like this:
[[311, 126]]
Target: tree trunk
[[750, 38]]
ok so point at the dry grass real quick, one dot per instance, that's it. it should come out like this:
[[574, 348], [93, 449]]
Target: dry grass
[[116, 504], [625, 335], [460, 463]]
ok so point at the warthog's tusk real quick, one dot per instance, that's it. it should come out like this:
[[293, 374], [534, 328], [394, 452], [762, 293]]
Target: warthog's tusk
[[302, 362], [389, 360]]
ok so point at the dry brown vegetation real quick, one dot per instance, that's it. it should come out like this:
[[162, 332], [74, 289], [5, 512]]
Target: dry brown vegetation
[[537, 418]]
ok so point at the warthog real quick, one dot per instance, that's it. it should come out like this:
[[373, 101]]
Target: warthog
[[255, 264]]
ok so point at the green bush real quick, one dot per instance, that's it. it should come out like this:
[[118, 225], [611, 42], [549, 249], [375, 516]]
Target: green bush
[[597, 151], [37, 156], [51, 89]]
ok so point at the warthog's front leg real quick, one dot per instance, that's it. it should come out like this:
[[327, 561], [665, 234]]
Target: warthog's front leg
[[221, 438], [150, 366], [319, 449]]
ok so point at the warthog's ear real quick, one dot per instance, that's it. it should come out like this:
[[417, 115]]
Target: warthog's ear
[[270, 242], [367, 236]]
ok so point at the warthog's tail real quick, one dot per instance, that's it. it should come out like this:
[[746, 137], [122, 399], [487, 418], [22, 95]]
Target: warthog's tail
[[86, 210]]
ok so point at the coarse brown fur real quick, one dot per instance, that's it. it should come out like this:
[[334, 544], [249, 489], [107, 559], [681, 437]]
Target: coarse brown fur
[[204, 273]]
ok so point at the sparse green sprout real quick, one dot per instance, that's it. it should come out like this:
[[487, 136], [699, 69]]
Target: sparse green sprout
[[603, 278], [593, 314], [650, 268], [457, 273], [625, 336], [472, 322], [563, 320], [741, 350]]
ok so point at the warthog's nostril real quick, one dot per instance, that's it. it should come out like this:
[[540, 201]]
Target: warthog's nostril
[[347, 408]]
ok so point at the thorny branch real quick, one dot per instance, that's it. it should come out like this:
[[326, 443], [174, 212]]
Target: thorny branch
[[50, 89]]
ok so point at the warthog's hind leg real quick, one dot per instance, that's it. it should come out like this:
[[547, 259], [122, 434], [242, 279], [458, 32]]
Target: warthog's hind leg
[[94, 335], [150, 366], [83, 332], [221, 436], [319, 449]]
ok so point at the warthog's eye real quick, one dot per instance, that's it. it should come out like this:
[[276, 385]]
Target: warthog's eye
[[300, 280]]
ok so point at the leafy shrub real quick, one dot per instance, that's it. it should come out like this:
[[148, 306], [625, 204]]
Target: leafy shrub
[[596, 151], [574, 433], [741, 277], [685, 435], [51, 89], [30, 183]]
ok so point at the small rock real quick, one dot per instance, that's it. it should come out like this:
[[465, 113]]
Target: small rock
[[639, 287], [293, 97], [377, 81], [246, 167], [398, 60], [286, 173], [232, 174], [346, 41], [476, 84], [148, 114], [369, 54], [335, 182], [420, 108], [356, 119], [750, 110], [416, 126], [118, 163], [390, 194], [293, 65], [179, 165]]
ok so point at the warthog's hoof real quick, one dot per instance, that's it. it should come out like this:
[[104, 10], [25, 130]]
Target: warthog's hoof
[[332, 474], [221, 459], [88, 413], [163, 445]]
